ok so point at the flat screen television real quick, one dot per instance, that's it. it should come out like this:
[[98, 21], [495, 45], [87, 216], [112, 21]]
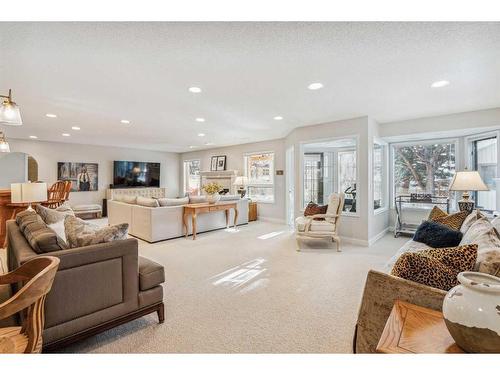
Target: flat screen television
[[135, 174]]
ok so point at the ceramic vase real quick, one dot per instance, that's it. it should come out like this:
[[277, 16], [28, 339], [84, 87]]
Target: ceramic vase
[[471, 312], [213, 198]]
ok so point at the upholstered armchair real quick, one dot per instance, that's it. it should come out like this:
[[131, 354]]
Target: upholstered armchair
[[309, 227]]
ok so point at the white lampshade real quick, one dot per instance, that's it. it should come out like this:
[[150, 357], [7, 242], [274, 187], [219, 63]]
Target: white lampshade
[[28, 192], [241, 181], [10, 114], [468, 181]]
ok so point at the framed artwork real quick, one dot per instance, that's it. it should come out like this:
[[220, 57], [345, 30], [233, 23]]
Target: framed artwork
[[221, 163], [84, 176], [213, 163]]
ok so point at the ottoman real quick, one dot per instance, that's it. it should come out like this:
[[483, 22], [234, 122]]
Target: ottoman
[[87, 211]]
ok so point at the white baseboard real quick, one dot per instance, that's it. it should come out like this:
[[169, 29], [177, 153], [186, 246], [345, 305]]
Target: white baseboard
[[354, 241], [378, 236], [271, 220]]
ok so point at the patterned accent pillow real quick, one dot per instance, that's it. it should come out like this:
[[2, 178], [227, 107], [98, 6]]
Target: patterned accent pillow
[[488, 261], [437, 268], [26, 217], [53, 215], [482, 233], [436, 213], [315, 209], [454, 221], [41, 238], [80, 233]]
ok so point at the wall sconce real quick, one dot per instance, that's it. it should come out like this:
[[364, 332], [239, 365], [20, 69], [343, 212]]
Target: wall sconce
[[9, 111]]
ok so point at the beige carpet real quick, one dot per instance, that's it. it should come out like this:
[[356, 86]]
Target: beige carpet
[[250, 292]]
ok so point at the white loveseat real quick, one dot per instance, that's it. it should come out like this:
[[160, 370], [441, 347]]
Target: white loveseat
[[162, 223]]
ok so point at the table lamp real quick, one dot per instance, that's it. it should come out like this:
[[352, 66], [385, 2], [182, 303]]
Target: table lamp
[[466, 181], [28, 192], [241, 182]]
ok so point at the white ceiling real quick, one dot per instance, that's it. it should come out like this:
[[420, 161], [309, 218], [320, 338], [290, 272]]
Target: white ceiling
[[92, 75]]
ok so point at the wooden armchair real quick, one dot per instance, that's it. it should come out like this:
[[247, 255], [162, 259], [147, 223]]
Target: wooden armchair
[[58, 193], [37, 276], [308, 227]]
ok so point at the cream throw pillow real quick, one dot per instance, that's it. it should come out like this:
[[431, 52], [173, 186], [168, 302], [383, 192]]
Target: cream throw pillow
[[147, 202], [53, 215]]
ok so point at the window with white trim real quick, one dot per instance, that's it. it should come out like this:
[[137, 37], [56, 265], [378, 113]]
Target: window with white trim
[[192, 177], [379, 173], [259, 169], [424, 167], [484, 160]]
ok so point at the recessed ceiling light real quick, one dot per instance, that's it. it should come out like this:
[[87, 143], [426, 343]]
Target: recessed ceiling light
[[209, 144], [125, 121], [438, 84], [193, 146], [278, 117], [75, 127], [201, 134], [200, 119], [51, 115], [315, 86], [65, 134], [194, 89], [33, 137]]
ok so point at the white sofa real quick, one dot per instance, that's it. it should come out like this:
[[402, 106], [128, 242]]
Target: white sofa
[[162, 223]]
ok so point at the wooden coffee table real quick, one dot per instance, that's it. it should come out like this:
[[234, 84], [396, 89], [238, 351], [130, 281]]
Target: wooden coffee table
[[201, 208], [415, 329]]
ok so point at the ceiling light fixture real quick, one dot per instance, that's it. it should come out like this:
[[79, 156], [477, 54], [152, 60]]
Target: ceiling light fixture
[[209, 144], [125, 121], [193, 146], [315, 86], [201, 134], [4, 145], [278, 118], [65, 134], [33, 137], [51, 115], [194, 90], [200, 119], [9, 111], [75, 127], [439, 84]]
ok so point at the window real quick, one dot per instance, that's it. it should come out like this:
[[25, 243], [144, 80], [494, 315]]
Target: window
[[484, 160], [259, 168], [347, 178], [379, 200], [313, 178], [192, 177], [424, 167]]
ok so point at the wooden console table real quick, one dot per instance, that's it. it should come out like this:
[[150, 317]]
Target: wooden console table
[[201, 208], [415, 329]]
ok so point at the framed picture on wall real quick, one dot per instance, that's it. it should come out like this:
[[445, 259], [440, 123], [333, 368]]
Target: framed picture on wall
[[84, 176], [213, 163], [221, 163]]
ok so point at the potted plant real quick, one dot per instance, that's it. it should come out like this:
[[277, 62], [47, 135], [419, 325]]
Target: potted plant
[[212, 189]]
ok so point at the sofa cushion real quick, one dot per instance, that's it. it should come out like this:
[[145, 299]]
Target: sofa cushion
[[437, 235], [483, 234], [437, 268], [316, 225], [53, 215], [81, 233], [198, 199], [164, 202], [130, 199], [147, 202], [42, 239], [151, 274], [453, 221], [471, 219]]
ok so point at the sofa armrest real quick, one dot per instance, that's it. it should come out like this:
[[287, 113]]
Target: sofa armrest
[[381, 290]]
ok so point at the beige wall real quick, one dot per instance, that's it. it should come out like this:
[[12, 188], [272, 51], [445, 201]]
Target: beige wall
[[235, 155], [47, 154]]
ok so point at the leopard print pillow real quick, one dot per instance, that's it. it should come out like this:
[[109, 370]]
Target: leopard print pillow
[[437, 268], [436, 213], [453, 221]]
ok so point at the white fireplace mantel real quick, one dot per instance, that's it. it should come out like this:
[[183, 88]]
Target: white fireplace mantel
[[224, 178]]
